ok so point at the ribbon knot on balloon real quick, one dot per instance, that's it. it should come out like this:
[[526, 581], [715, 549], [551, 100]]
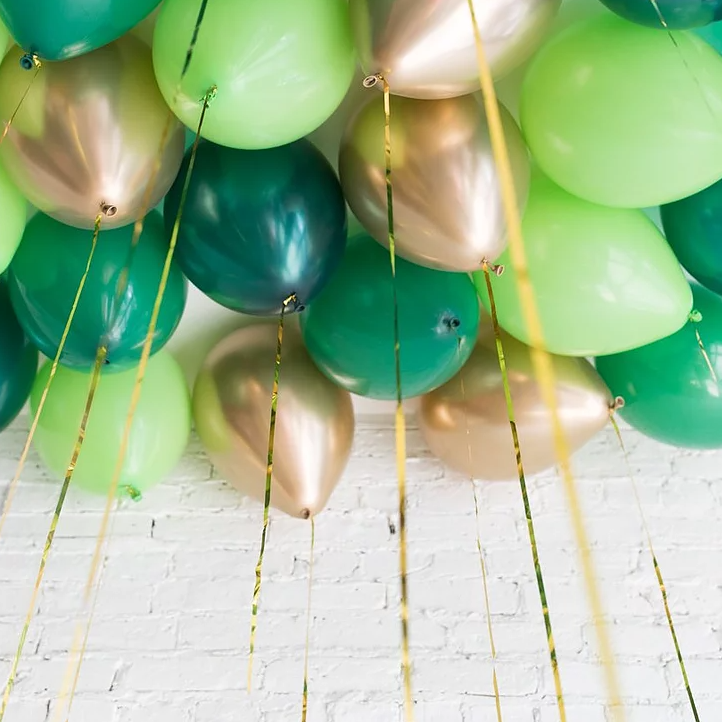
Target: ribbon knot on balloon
[[30, 61]]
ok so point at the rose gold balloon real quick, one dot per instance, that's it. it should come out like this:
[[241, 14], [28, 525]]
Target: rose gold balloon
[[87, 136], [448, 211], [487, 451], [314, 425], [425, 48]]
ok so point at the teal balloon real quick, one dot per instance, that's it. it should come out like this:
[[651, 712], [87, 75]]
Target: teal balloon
[[259, 225], [712, 35], [668, 14], [62, 29], [693, 227], [349, 328], [670, 393], [18, 361], [45, 274]]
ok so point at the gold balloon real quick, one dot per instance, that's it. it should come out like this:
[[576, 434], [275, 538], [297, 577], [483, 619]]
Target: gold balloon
[[86, 138], [479, 405], [426, 49], [314, 425], [448, 211]]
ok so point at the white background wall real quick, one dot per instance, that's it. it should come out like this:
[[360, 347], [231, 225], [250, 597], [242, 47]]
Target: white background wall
[[169, 643]]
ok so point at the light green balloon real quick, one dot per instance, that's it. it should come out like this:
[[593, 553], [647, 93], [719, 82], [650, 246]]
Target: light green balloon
[[624, 115], [281, 66], [158, 437], [604, 279], [13, 214]]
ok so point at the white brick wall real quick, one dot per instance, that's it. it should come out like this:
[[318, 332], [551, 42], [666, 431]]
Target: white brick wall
[[170, 638]]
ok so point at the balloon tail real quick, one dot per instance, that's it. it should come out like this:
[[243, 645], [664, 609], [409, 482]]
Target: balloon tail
[[94, 379], [480, 551], [28, 62], [542, 363], [524, 493], [619, 403], [134, 400], [53, 370], [269, 478], [696, 317], [304, 707]]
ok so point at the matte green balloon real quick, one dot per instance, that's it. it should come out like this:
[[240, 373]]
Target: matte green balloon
[[669, 391], [18, 361], [281, 67], [13, 212], [158, 437], [624, 115], [604, 279], [44, 278], [349, 328]]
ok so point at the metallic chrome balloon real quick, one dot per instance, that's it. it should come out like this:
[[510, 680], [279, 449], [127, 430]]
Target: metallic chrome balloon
[[314, 426], [426, 49], [474, 400], [88, 134], [448, 211]]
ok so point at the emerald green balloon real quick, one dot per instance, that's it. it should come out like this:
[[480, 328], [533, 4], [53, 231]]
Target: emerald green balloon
[[62, 29], [13, 212], [46, 272], [281, 67], [624, 115], [669, 391], [349, 330], [604, 279], [18, 361], [158, 436]]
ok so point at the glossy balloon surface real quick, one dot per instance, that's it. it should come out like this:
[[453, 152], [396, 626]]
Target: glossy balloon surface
[[668, 14]]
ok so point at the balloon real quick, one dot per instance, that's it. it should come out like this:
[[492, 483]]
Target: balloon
[[62, 29], [87, 136], [18, 361], [158, 436], [314, 425], [597, 115], [349, 331], [44, 278], [604, 279], [693, 227], [670, 393], [428, 51], [448, 211], [13, 210], [668, 14], [259, 226], [711, 34], [465, 422], [281, 66]]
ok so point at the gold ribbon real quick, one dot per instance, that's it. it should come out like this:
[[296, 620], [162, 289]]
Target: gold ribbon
[[304, 706], [94, 379], [34, 62], [543, 367]]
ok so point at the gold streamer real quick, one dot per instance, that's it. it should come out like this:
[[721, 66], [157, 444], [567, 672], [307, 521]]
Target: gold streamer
[[619, 402], [304, 707], [525, 497], [30, 61], [543, 366], [269, 477], [53, 370], [94, 379]]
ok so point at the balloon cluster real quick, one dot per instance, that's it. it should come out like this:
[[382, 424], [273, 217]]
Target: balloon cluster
[[258, 220]]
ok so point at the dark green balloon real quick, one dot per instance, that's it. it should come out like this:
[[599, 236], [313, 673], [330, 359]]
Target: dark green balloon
[[62, 29], [693, 227], [676, 14], [44, 277], [349, 329], [259, 225], [669, 391], [18, 361]]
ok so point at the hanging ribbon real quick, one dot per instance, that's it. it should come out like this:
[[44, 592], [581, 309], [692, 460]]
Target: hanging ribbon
[[28, 62], [304, 706]]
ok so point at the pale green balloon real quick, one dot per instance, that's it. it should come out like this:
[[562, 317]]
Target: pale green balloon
[[281, 67], [604, 279], [13, 215], [158, 437], [624, 115]]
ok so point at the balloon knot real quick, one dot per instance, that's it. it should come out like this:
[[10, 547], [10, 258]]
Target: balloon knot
[[617, 404], [108, 209], [293, 304], [371, 80], [210, 95], [29, 61], [305, 513], [695, 316], [487, 267], [132, 492]]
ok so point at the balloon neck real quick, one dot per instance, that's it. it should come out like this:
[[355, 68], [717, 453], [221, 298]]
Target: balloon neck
[[617, 404], [132, 492], [695, 316], [293, 305], [28, 61], [108, 209], [370, 81], [496, 269], [305, 514]]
